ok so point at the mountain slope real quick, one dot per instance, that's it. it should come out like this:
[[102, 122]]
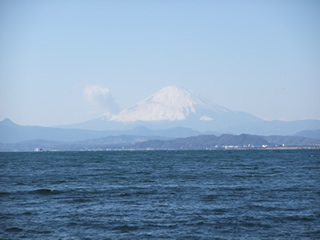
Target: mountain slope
[[309, 133], [291, 140], [171, 103]]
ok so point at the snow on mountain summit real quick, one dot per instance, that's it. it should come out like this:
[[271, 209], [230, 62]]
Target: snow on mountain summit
[[171, 103]]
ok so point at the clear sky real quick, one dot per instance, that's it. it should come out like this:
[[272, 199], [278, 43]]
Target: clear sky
[[68, 61]]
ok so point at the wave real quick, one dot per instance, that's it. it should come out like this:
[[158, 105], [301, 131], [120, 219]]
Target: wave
[[46, 191]]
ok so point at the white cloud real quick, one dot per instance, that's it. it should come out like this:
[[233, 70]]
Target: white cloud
[[206, 118], [98, 95]]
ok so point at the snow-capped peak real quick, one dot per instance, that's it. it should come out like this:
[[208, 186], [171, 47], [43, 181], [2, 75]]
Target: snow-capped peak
[[173, 95], [170, 103]]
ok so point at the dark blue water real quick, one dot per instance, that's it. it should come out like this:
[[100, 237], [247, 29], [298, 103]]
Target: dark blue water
[[160, 195]]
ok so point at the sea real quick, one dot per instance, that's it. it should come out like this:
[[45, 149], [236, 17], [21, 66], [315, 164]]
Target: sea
[[243, 194]]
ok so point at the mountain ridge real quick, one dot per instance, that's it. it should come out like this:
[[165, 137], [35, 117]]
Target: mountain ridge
[[200, 142], [309, 133], [11, 132]]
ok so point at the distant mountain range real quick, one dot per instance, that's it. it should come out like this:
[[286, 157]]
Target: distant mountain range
[[174, 106], [14, 137], [309, 134], [14, 133], [204, 142], [125, 142], [225, 141], [173, 117]]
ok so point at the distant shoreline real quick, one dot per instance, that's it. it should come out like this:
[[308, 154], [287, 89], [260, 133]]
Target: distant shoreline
[[147, 150]]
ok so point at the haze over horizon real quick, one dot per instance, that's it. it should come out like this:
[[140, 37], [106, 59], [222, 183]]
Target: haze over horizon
[[64, 62]]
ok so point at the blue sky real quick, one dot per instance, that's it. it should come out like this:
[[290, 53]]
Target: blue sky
[[70, 61]]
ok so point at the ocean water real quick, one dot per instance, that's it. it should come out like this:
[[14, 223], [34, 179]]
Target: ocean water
[[160, 195]]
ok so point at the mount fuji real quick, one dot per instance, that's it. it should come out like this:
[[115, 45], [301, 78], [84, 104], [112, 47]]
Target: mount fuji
[[173, 107], [171, 103]]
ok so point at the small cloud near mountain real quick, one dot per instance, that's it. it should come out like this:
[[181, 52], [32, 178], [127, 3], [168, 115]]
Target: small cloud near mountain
[[98, 95]]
